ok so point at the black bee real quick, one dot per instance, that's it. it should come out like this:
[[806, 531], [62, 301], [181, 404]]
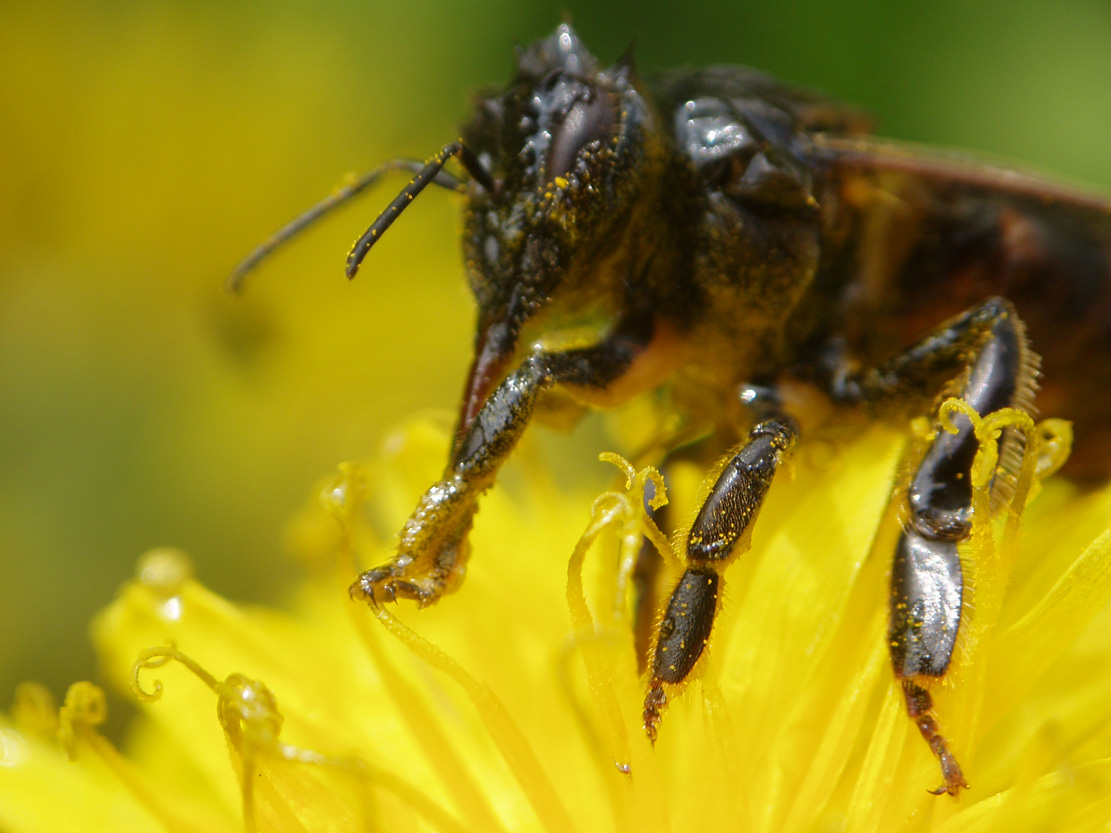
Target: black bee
[[724, 234]]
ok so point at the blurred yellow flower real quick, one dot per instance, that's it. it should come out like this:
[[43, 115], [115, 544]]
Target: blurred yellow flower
[[515, 704]]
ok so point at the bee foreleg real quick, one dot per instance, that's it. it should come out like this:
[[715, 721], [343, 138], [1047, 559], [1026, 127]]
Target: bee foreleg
[[721, 531], [432, 549]]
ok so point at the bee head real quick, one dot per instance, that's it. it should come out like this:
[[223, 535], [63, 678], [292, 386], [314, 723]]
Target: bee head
[[571, 149]]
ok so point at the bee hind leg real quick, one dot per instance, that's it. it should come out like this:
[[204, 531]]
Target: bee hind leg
[[981, 356]]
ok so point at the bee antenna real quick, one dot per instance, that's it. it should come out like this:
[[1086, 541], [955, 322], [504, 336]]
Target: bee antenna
[[426, 175], [351, 188]]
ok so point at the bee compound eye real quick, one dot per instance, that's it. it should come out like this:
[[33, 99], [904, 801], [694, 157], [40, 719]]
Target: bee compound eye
[[587, 121]]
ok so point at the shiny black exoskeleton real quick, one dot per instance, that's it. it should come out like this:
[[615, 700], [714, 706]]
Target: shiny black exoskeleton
[[724, 235]]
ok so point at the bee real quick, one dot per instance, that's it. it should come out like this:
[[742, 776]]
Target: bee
[[724, 235]]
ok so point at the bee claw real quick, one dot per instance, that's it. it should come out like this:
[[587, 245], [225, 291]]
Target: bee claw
[[375, 587], [385, 584]]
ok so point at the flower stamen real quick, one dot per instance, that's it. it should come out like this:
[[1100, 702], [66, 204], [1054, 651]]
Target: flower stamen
[[248, 713]]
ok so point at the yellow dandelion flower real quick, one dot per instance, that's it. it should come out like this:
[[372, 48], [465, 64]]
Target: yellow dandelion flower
[[515, 703]]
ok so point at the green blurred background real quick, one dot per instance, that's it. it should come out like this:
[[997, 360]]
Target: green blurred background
[[146, 146]]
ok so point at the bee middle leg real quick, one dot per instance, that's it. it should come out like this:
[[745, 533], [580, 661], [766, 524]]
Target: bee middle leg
[[981, 356], [721, 531]]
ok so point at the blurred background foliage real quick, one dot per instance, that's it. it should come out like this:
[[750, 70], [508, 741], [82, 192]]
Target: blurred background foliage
[[146, 146]]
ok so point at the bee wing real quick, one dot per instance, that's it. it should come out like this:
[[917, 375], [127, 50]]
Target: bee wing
[[866, 155]]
